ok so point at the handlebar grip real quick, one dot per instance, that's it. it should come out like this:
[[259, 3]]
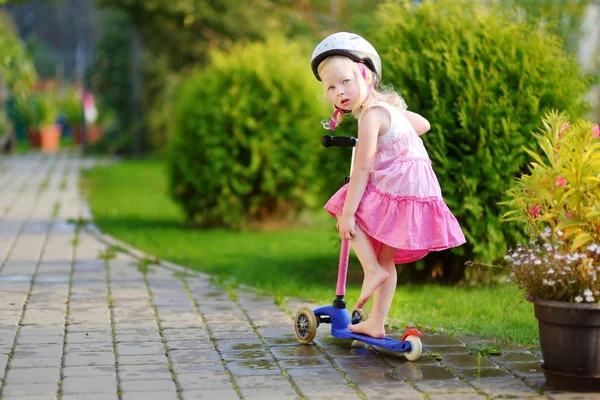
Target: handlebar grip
[[338, 141]]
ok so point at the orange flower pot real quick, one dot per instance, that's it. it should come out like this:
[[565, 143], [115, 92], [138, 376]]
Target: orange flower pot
[[50, 138], [95, 134], [33, 135]]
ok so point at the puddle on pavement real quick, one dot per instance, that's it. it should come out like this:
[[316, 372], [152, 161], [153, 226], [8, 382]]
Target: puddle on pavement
[[213, 294], [464, 361], [440, 340], [283, 342], [516, 357], [246, 355], [480, 373], [447, 349], [296, 351], [243, 346], [305, 362], [414, 372], [525, 369], [263, 365]]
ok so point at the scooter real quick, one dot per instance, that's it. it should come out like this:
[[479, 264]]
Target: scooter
[[307, 320]]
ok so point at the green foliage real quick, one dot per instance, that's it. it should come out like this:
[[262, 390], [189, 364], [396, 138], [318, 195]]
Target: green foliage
[[111, 75], [44, 56], [27, 111], [562, 17], [16, 68], [483, 79], [562, 189], [333, 163], [71, 107], [484, 350], [243, 143], [48, 107], [178, 35]]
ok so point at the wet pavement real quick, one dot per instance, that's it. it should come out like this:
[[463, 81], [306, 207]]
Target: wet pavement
[[83, 316]]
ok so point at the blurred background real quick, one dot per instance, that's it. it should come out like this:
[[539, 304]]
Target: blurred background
[[221, 93], [126, 57]]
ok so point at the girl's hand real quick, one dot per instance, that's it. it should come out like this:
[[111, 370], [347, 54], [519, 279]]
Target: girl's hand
[[346, 226]]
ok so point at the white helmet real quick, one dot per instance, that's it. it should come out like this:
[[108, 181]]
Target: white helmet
[[346, 44]]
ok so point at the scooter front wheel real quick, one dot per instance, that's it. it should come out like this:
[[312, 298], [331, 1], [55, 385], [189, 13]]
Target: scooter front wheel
[[358, 315], [305, 325], [416, 348]]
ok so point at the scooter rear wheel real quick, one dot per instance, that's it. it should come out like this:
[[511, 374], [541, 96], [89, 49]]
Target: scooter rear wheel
[[358, 315], [415, 351], [305, 325]]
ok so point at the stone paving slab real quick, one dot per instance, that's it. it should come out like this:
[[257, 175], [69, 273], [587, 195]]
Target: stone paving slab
[[81, 321]]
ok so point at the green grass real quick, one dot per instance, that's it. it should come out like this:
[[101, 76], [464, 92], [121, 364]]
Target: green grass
[[130, 201]]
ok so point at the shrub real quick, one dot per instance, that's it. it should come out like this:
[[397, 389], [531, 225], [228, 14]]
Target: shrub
[[483, 79], [244, 138]]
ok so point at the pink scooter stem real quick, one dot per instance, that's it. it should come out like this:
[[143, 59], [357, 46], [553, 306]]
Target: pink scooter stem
[[345, 251], [343, 268]]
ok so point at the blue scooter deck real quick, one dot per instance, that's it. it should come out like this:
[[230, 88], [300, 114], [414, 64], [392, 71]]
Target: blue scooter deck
[[386, 342]]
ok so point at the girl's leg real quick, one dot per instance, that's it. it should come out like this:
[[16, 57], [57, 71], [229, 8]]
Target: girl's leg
[[375, 274], [382, 300]]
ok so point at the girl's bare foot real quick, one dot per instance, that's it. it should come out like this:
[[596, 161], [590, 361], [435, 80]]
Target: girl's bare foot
[[371, 282], [369, 328]]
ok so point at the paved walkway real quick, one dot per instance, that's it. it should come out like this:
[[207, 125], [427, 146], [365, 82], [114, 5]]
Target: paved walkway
[[79, 320]]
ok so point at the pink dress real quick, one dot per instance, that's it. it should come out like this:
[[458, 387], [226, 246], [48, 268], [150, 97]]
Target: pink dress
[[402, 205]]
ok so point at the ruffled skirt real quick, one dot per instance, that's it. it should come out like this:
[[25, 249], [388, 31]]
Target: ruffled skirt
[[412, 225]]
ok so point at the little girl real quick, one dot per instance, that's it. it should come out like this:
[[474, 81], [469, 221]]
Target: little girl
[[392, 209]]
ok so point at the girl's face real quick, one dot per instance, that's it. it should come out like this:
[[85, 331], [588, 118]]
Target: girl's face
[[343, 85]]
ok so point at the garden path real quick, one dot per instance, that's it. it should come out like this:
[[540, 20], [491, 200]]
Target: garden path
[[79, 320]]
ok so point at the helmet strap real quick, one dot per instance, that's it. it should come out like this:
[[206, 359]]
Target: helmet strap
[[336, 113], [334, 117]]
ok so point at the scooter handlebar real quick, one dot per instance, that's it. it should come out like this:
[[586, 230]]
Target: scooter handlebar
[[338, 141]]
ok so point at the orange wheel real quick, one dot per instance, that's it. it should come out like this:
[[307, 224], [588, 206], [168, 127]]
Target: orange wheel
[[305, 325]]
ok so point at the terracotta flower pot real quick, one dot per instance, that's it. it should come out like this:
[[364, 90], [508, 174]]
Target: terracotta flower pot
[[95, 134], [33, 135], [50, 135], [77, 135], [570, 341]]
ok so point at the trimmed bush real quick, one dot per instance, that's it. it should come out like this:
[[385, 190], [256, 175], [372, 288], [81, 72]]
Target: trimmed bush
[[483, 79], [244, 137]]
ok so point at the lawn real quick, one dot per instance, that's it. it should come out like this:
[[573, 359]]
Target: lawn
[[130, 201]]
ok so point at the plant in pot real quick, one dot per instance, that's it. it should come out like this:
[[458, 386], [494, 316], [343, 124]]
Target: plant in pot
[[28, 113], [72, 110], [558, 201], [49, 129]]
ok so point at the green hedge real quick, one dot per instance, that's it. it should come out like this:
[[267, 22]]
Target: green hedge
[[245, 134], [483, 79]]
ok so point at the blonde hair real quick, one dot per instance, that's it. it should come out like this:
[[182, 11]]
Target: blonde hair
[[379, 93]]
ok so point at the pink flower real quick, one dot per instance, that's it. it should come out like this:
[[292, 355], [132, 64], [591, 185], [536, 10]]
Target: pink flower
[[534, 211], [560, 181], [595, 131], [564, 126], [569, 215]]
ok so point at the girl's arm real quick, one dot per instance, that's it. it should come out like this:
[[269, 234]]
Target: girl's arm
[[368, 132], [419, 124]]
